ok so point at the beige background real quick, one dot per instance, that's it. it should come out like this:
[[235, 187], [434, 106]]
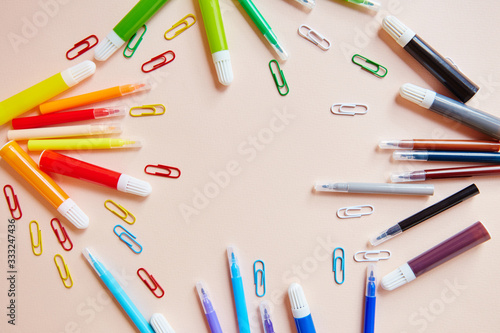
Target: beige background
[[267, 208]]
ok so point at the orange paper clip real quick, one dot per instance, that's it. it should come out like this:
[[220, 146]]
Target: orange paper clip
[[87, 47], [64, 235], [160, 64], [15, 205], [182, 21], [167, 174], [151, 287]]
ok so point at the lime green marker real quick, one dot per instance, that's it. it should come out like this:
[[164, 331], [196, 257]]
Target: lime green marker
[[212, 19], [128, 26], [264, 27], [366, 3], [81, 144]]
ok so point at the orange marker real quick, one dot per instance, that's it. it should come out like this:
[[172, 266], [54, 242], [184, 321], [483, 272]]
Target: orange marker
[[93, 97]]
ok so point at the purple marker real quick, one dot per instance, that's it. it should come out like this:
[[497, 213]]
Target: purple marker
[[265, 314], [212, 319]]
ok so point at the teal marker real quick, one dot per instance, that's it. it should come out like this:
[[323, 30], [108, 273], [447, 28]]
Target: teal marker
[[263, 27], [238, 292], [128, 26]]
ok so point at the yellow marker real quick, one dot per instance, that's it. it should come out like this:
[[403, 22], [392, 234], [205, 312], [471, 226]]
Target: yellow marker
[[81, 144], [66, 271], [45, 90], [39, 242]]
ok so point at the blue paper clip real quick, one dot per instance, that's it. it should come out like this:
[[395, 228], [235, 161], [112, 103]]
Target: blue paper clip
[[342, 265], [130, 236], [262, 276], [375, 71], [134, 48]]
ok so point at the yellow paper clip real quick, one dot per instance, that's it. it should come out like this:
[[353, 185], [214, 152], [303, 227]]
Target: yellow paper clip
[[282, 76], [68, 275], [153, 110], [39, 233], [122, 209], [183, 21]]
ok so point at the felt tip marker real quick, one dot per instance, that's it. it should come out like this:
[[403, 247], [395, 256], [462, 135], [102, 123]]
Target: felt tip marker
[[370, 298], [308, 3], [446, 156], [366, 3], [265, 315], [238, 292], [208, 308], [64, 131], [375, 188], [423, 175], [462, 145], [82, 144], [300, 309]]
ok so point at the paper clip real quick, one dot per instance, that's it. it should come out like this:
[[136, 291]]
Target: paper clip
[[160, 64], [153, 110], [134, 48], [15, 205], [151, 287], [39, 244], [130, 236], [262, 272], [367, 253], [87, 47], [122, 209], [66, 271], [64, 234], [341, 269], [345, 212], [374, 71], [314, 37], [349, 109], [167, 174], [181, 30], [278, 85]]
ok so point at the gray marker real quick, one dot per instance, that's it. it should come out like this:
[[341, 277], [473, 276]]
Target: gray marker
[[376, 188]]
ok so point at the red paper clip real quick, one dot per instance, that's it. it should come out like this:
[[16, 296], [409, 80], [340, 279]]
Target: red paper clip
[[158, 65], [16, 202], [85, 49], [155, 284], [63, 232], [164, 167]]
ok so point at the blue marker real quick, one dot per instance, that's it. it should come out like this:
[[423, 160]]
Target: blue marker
[[238, 292], [300, 309], [370, 299], [447, 156]]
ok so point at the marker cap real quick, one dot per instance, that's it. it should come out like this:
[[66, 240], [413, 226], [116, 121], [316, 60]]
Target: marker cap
[[222, 61], [160, 324], [129, 184], [108, 46], [74, 214], [300, 308], [78, 73], [400, 276]]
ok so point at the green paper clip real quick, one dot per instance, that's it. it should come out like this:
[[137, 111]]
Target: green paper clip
[[133, 49], [278, 85], [368, 69]]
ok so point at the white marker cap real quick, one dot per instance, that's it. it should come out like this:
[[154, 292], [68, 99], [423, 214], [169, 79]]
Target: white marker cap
[[74, 214], [108, 46], [400, 32], [160, 324], [400, 276], [129, 184], [78, 73], [222, 61], [420, 96]]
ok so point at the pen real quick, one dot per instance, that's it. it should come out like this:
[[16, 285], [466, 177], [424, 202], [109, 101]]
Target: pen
[[263, 27], [445, 106], [366, 3], [425, 214], [300, 309], [422, 175], [45, 90], [81, 144], [92, 97], [447, 156], [439, 254], [128, 26], [375, 188], [64, 131], [370, 298], [208, 308], [66, 117], [238, 292], [435, 63], [212, 20], [463, 145], [308, 3], [117, 291], [265, 315]]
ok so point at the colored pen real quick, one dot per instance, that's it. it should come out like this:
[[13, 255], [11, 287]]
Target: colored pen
[[238, 292], [425, 214], [64, 131], [127, 27], [463, 145], [20, 161], [439, 254], [117, 291], [66, 117], [57, 163], [92, 97], [422, 175], [436, 64], [370, 298], [265, 315], [208, 308], [447, 156], [375, 188], [160, 324], [214, 27], [366, 3], [300, 309], [263, 27], [81, 144], [308, 3], [45, 90], [445, 106]]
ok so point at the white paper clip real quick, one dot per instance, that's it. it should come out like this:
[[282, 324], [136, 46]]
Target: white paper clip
[[347, 212], [314, 37], [366, 255], [349, 109]]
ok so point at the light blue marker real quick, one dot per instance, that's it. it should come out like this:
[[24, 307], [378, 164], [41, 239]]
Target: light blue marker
[[238, 292]]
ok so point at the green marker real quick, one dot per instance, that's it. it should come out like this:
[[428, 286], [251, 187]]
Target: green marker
[[212, 20], [128, 26], [366, 3], [264, 27]]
